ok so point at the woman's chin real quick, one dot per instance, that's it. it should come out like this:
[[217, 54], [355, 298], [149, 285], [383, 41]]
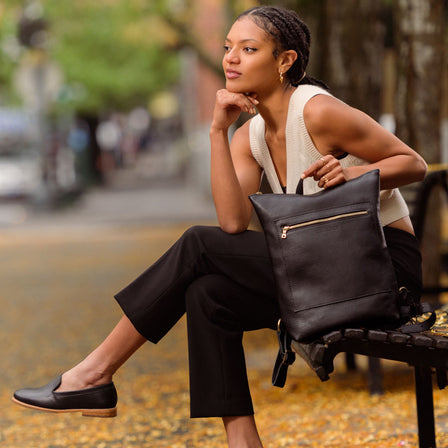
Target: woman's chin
[[233, 87]]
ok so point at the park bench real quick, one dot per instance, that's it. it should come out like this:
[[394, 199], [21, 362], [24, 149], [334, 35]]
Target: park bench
[[425, 352]]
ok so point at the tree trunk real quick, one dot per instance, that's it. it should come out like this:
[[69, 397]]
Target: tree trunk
[[420, 54], [420, 46], [353, 52]]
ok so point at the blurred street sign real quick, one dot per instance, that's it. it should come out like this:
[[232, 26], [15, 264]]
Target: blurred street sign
[[38, 81]]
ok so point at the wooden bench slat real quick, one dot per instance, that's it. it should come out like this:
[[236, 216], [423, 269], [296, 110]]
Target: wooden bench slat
[[441, 342], [332, 337], [377, 335], [354, 333], [396, 337], [421, 340]]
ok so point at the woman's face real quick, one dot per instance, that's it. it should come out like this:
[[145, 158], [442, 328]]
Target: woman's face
[[249, 63]]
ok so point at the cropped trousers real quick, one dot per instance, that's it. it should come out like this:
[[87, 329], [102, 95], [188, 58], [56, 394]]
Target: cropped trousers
[[225, 285]]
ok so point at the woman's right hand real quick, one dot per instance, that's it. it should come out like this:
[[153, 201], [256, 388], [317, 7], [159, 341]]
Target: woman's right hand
[[228, 106]]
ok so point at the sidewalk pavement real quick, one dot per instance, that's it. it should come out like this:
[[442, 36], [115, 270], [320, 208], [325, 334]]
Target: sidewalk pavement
[[151, 204]]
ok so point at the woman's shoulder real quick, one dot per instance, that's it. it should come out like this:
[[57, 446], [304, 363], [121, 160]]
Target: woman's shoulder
[[322, 105], [327, 111], [309, 101], [305, 92]]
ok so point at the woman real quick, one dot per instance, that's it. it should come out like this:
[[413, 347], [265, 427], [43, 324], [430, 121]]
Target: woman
[[222, 277]]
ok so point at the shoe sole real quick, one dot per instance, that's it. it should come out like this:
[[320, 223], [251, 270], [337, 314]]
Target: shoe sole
[[102, 413]]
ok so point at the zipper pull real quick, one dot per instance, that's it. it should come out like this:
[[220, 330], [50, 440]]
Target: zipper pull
[[284, 231]]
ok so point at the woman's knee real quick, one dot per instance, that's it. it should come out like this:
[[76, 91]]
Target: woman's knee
[[200, 232], [198, 238]]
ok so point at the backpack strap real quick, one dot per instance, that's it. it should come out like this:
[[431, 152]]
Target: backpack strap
[[285, 356], [410, 309]]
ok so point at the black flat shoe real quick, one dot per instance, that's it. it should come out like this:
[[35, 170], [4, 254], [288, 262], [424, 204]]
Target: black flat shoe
[[98, 401]]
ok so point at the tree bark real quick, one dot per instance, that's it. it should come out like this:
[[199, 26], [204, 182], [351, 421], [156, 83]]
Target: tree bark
[[420, 49], [353, 52], [420, 40]]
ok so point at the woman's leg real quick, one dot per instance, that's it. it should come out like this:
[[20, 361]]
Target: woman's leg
[[100, 365], [156, 299], [218, 312], [242, 432]]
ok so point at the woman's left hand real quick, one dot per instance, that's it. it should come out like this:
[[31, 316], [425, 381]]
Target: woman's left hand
[[327, 171]]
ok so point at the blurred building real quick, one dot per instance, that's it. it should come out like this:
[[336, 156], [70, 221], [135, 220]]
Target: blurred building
[[199, 85]]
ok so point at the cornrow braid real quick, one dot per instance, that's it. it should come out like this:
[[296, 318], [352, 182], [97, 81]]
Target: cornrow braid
[[288, 32]]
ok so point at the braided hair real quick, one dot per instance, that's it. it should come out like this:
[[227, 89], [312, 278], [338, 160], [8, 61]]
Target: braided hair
[[288, 32]]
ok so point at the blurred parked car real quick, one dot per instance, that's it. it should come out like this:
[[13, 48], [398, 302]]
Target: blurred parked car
[[20, 174], [20, 164]]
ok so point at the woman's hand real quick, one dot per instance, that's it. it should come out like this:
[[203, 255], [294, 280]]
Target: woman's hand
[[327, 171], [228, 106]]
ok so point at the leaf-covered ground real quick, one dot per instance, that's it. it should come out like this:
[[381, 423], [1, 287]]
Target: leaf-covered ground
[[56, 305]]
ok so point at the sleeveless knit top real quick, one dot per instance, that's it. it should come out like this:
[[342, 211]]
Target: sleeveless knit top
[[301, 153]]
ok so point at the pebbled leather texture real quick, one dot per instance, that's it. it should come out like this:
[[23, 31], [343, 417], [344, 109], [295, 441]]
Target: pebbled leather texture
[[45, 397]]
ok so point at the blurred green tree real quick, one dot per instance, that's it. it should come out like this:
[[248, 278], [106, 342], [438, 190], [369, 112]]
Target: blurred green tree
[[9, 49], [118, 50], [114, 54]]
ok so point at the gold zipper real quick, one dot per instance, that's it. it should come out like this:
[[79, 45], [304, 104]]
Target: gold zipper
[[318, 221]]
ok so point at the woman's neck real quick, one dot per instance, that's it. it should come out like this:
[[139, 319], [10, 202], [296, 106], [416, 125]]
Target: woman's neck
[[274, 109]]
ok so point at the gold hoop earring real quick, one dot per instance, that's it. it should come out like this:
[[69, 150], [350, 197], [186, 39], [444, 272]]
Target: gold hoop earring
[[281, 77]]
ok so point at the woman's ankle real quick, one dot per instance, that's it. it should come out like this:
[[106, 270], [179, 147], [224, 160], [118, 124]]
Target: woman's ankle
[[242, 432], [78, 379]]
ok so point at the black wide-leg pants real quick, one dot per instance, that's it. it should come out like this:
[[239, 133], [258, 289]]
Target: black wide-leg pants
[[225, 285]]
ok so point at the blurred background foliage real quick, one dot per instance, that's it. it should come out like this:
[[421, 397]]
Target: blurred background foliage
[[118, 51], [112, 53]]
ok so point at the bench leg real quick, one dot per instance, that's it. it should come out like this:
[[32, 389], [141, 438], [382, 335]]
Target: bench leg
[[350, 361], [375, 376], [425, 407]]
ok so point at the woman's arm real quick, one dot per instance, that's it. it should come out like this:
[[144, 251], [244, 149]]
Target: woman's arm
[[234, 172], [336, 128]]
